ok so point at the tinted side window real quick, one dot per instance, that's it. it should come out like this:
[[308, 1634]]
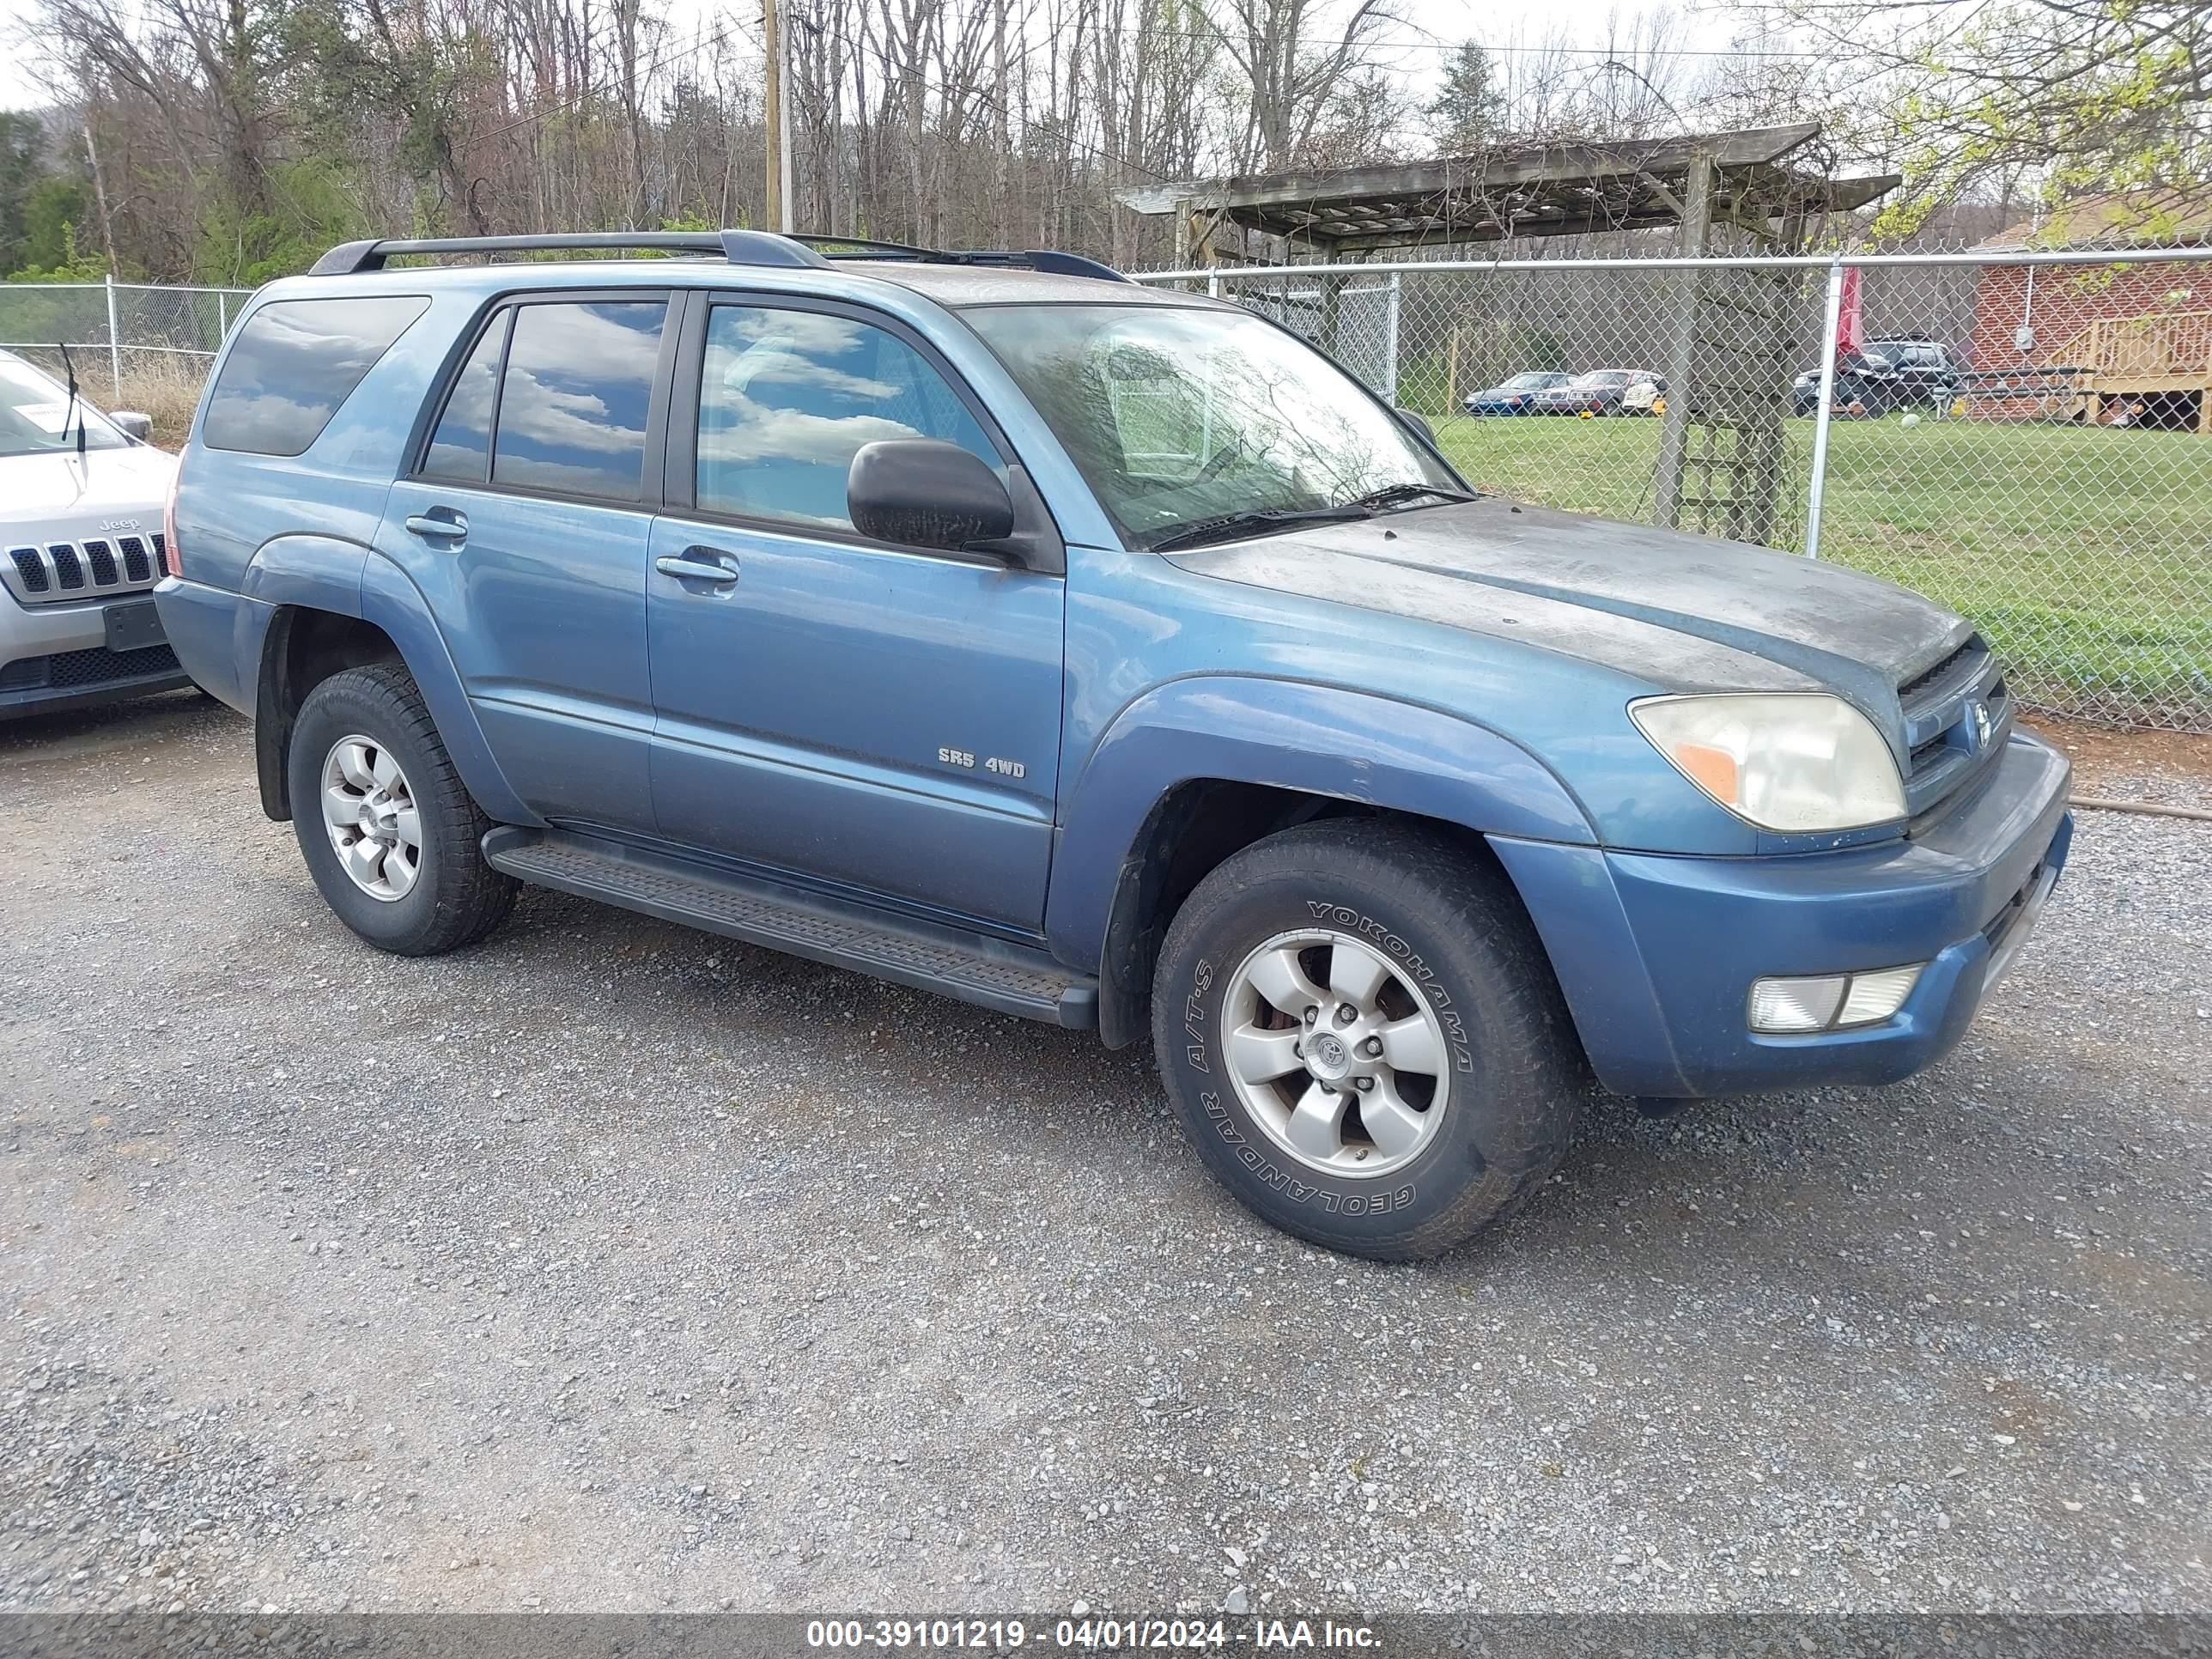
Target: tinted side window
[[461, 446], [787, 397], [293, 363], [579, 386]]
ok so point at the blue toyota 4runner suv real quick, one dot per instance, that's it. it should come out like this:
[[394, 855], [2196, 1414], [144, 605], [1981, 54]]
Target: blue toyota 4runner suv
[[1097, 653]]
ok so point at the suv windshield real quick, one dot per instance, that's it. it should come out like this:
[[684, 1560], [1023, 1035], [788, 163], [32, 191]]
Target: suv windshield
[[35, 415], [1180, 416]]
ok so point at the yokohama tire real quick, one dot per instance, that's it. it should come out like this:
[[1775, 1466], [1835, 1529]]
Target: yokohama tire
[[455, 898], [1512, 1079]]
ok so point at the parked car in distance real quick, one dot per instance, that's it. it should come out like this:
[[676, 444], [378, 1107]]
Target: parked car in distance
[[1900, 372], [968, 620], [81, 502], [1600, 391], [1515, 397]]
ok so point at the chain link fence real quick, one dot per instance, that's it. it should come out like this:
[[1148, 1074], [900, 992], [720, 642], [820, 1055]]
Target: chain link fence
[[119, 331], [2025, 438]]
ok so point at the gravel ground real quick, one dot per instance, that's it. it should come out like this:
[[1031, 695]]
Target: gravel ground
[[611, 1265]]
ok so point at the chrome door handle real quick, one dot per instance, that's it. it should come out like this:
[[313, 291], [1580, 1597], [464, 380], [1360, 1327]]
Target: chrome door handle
[[684, 568], [438, 526]]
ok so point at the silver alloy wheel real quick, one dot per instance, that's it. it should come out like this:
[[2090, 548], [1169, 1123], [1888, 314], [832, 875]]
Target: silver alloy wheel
[[1335, 1054], [370, 814]]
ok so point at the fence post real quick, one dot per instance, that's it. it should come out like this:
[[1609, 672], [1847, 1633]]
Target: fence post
[[1686, 399], [114, 340], [1390, 339], [222, 315], [1816, 487]]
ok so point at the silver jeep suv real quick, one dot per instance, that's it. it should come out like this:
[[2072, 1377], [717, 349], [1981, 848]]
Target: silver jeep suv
[[81, 496]]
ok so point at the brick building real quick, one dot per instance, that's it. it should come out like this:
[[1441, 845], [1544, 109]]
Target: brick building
[[2107, 342]]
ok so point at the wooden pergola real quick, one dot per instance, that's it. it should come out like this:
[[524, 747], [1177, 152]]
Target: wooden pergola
[[1748, 180], [1732, 357]]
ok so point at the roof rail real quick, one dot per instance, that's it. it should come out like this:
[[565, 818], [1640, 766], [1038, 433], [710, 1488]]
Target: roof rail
[[1039, 259], [743, 247], [740, 247]]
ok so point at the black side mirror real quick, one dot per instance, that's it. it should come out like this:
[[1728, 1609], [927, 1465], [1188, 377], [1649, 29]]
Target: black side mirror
[[925, 492], [1418, 422], [132, 424]]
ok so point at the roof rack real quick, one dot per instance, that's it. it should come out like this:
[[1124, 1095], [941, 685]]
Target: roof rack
[[739, 247], [1039, 259]]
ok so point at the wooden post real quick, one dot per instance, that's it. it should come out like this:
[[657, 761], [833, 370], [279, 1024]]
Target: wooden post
[[1451, 372], [1683, 394], [776, 122]]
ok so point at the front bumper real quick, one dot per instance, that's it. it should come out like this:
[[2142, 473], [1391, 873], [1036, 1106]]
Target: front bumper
[[1656, 953], [54, 657]]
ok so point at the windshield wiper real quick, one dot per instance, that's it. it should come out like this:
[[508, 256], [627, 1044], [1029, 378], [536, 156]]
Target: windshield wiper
[[1228, 525], [1400, 494], [70, 369]]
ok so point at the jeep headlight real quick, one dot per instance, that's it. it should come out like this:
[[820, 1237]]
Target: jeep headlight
[[1797, 762]]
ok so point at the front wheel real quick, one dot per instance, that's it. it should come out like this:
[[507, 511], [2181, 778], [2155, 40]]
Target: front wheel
[[1362, 1035], [389, 830]]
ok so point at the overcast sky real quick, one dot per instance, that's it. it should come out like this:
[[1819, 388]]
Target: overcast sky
[[1425, 24]]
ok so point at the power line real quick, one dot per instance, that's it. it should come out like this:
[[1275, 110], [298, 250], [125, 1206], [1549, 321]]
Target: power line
[[988, 102], [1514, 48], [577, 98]]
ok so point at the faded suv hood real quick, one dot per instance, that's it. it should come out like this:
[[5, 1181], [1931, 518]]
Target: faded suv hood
[[1688, 612], [38, 492]]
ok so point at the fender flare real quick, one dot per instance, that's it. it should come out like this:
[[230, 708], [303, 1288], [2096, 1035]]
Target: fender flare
[[292, 573], [1315, 740]]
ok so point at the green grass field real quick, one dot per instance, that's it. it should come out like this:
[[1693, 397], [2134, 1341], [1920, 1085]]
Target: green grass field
[[2085, 554]]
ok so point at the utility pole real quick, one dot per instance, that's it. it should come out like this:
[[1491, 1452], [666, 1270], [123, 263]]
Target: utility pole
[[1005, 142], [776, 117]]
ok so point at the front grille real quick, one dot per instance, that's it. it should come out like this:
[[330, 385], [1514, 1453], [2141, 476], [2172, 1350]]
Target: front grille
[[57, 571], [1936, 672], [68, 670], [1958, 716]]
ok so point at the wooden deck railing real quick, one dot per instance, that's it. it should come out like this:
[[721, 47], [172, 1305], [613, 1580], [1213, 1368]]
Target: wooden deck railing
[[2174, 343]]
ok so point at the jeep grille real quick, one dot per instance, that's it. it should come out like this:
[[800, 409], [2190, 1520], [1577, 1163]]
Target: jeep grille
[[49, 573]]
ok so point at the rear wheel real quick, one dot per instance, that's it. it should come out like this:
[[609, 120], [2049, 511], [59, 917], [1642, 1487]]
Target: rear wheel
[[389, 831], [1363, 1036]]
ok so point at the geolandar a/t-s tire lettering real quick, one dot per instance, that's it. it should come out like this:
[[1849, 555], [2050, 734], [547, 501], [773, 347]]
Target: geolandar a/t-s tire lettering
[[1362, 1035]]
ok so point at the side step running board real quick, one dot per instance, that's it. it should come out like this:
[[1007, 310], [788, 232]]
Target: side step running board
[[1011, 978]]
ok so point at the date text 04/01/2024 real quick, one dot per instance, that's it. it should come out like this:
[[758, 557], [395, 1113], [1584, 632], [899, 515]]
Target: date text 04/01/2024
[[1129, 1634]]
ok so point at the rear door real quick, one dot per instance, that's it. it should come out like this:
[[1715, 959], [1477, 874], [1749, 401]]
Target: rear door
[[526, 522], [881, 718]]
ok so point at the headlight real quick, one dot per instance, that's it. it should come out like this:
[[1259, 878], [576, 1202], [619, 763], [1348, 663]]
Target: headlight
[[1790, 761]]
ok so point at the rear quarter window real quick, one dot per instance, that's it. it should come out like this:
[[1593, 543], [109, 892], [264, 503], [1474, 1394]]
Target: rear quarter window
[[293, 365]]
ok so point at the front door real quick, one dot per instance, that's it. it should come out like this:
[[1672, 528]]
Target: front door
[[880, 719], [526, 525]]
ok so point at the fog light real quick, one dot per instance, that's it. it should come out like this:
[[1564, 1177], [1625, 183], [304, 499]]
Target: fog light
[[1797, 1004], [1821, 1002], [1875, 997]]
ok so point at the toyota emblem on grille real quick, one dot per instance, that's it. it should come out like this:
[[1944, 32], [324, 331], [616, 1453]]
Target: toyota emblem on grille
[[1977, 713]]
